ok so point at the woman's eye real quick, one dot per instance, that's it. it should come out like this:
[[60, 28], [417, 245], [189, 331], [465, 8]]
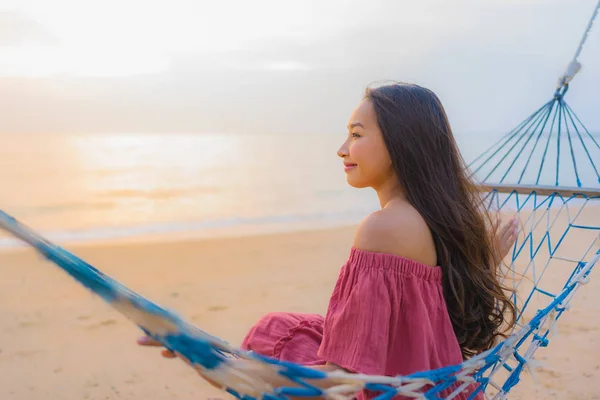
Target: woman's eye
[[355, 135]]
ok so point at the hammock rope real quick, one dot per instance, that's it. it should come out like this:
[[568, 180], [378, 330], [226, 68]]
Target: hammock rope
[[556, 121], [515, 180], [574, 66]]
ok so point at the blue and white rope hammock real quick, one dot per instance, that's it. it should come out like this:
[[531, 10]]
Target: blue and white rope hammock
[[552, 216]]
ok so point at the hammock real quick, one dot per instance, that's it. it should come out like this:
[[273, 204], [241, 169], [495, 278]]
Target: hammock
[[528, 163]]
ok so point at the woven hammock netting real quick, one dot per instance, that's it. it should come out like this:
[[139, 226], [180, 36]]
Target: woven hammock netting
[[546, 170]]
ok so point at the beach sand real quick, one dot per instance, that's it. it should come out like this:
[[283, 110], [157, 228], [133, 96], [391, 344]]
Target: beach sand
[[58, 341]]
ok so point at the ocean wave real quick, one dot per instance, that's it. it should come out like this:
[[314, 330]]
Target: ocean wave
[[267, 224], [26, 212], [159, 193]]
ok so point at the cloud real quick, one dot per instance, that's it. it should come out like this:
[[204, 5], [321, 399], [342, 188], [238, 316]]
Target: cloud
[[491, 64], [287, 66], [16, 28]]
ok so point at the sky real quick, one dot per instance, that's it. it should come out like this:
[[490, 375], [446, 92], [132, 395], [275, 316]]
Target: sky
[[286, 67]]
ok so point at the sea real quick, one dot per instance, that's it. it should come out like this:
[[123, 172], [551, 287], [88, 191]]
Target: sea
[[90, 187]]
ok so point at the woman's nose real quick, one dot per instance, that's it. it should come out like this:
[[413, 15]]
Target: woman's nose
[[343, 150]]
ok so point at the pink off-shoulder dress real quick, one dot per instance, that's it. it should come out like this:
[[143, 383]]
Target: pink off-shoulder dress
[[387, 316]]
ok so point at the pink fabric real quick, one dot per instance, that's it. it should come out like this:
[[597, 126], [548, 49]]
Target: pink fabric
[[386, 316], [288, 337]]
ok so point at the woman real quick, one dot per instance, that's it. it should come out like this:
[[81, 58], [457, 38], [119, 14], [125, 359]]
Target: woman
[[420, 289]]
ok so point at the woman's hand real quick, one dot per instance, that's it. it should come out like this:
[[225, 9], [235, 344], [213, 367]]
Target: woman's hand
[[255, 369], [505, 237], [148, 341]]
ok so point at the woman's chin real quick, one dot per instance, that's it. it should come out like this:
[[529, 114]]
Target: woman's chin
[[355, 183]]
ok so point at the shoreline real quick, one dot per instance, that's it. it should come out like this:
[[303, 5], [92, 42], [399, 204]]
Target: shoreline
[[236, 233], [195, 229], [207, 229]]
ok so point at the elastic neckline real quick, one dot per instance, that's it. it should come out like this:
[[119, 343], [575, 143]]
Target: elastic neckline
[[396, 262]]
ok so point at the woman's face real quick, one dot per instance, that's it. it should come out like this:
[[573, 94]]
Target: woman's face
[[366, 159]]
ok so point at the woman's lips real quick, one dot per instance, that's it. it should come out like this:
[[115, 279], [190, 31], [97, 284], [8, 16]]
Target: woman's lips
[[349, 166]]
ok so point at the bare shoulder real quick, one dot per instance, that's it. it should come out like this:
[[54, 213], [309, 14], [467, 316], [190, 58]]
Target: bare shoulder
[[398, 230]]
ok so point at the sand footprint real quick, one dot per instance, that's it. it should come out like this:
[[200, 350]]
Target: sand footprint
[[217, 308], [29, 353], [106, 322]]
